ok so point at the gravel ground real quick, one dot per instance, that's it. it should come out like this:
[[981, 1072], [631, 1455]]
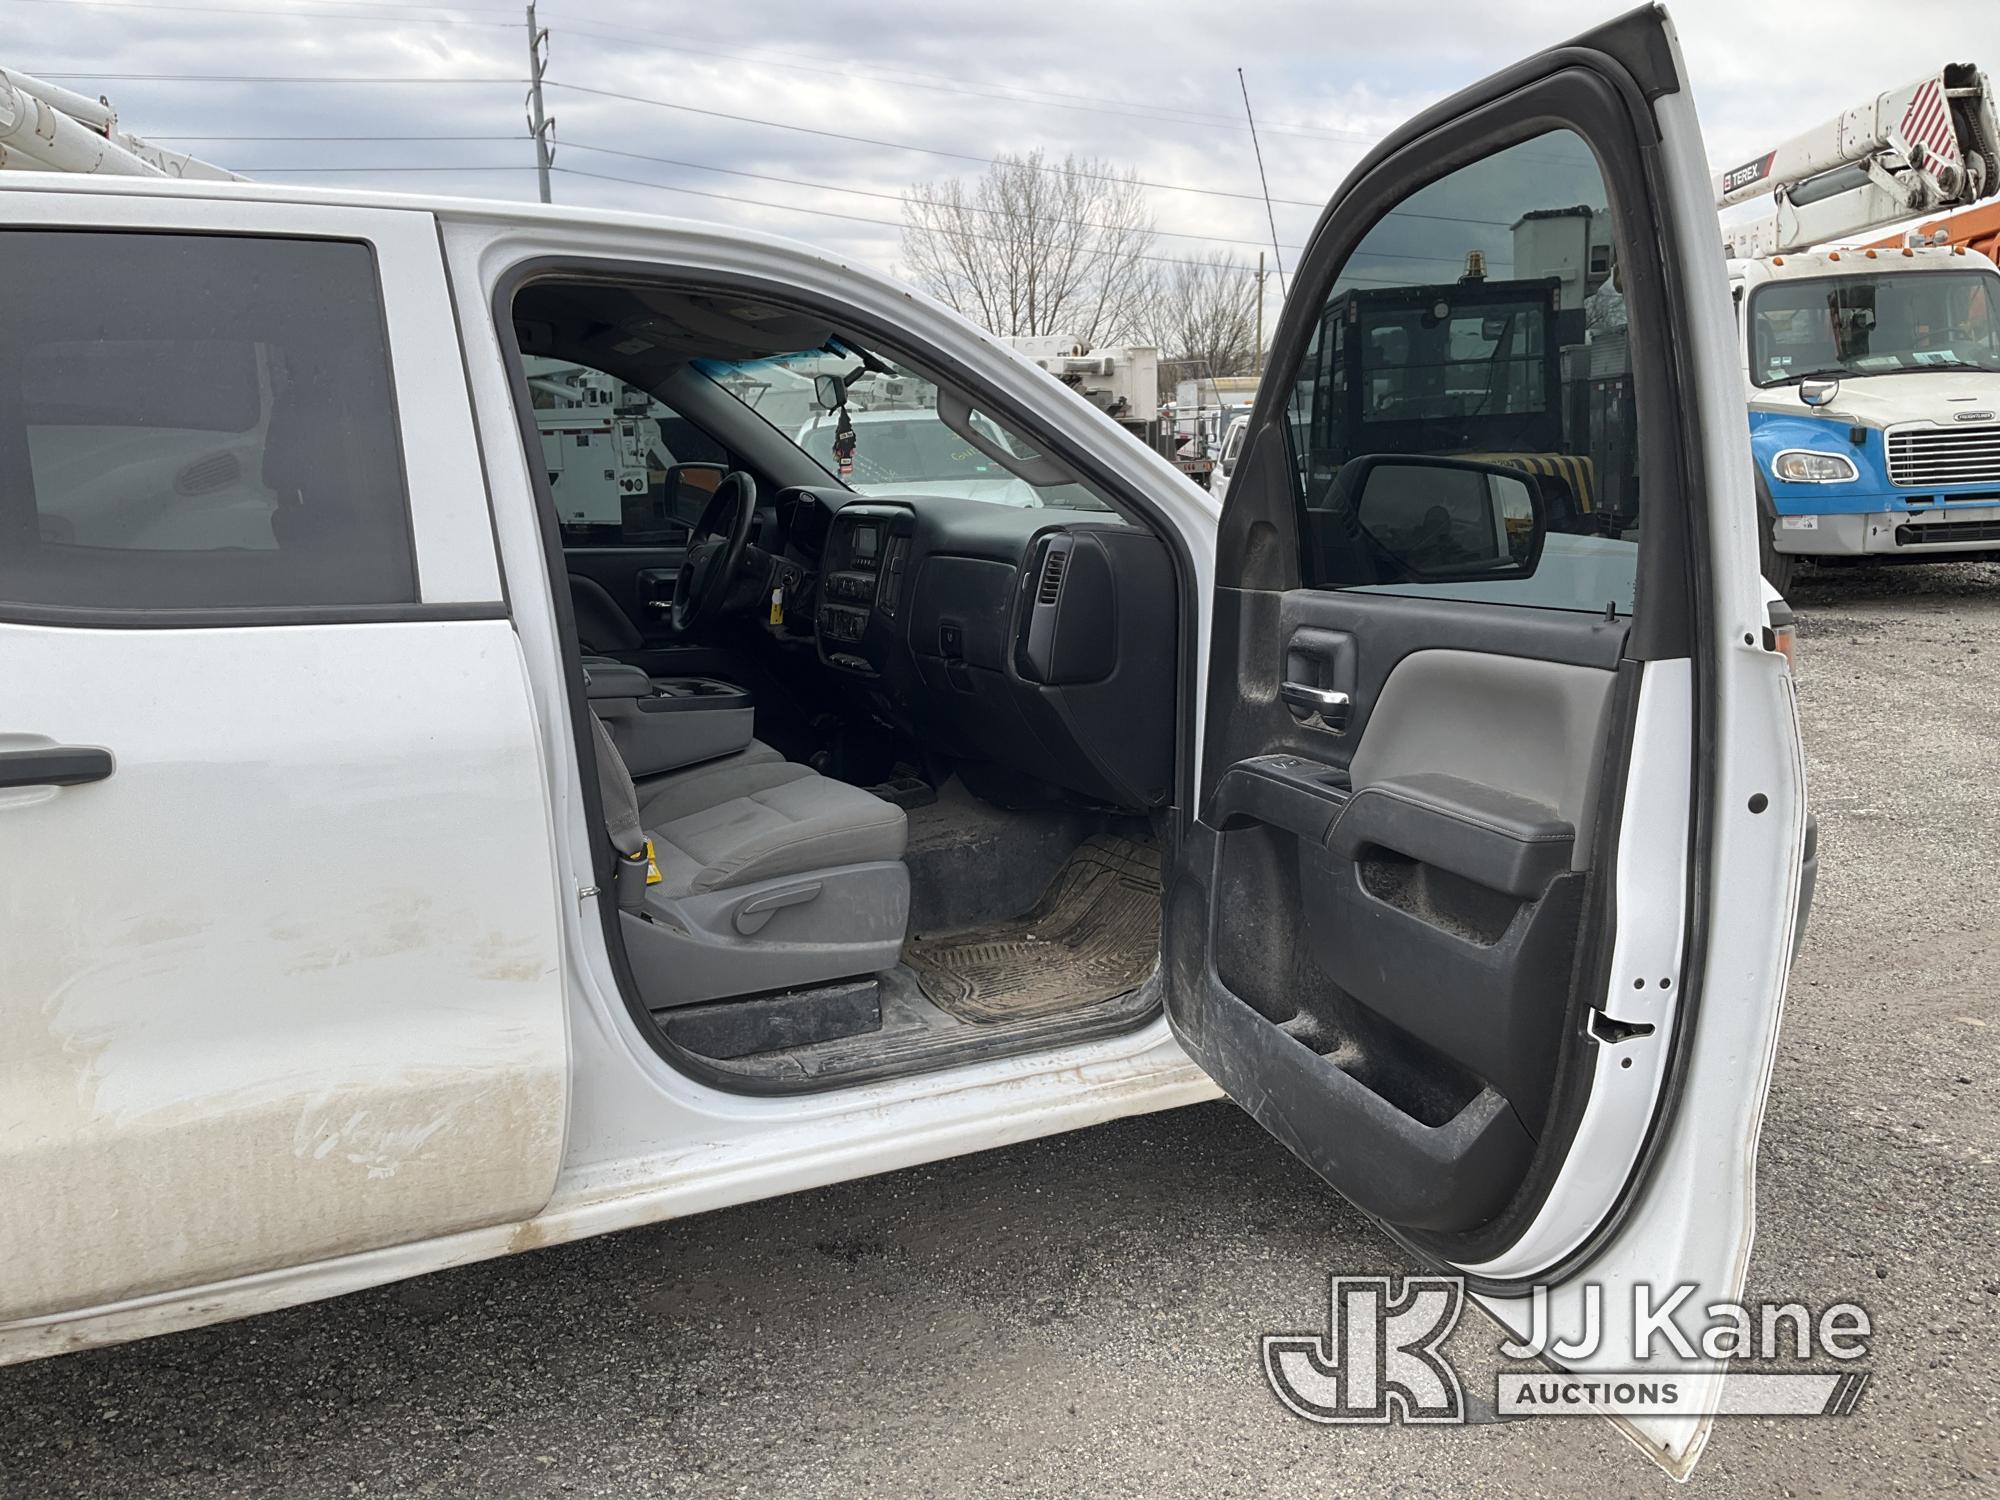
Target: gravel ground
[[1077, 1316]]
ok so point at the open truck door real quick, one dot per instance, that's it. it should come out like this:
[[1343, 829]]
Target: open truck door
[[1486, 904]]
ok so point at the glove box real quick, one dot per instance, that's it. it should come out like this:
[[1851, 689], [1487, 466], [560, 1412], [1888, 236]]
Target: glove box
[[663, 723]]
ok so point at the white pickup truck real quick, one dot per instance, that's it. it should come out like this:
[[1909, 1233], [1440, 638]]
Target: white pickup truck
[[393, 874]]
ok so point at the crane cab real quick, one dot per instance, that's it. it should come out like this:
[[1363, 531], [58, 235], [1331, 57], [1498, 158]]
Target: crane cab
[[1856, 455]]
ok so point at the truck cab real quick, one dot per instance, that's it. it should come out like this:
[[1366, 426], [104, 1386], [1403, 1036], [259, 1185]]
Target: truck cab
[[1873, 378]]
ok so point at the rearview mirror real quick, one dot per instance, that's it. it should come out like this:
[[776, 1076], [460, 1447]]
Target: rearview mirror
[[830, 391], [1445, 520], [1818, 392]]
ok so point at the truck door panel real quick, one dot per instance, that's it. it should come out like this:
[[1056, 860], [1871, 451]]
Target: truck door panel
[[1436, 854], [1477, 776], [286, 983]]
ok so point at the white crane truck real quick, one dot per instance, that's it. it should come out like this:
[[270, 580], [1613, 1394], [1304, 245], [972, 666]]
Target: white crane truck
[[1873, 374]]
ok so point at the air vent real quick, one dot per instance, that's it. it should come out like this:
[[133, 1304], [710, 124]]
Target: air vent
[[207, 474], [1052, 576]]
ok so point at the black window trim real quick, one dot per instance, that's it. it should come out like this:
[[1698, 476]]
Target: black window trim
[[1563, 91], [105, 617]]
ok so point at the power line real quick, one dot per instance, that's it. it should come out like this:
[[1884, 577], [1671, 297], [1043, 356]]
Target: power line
[[153, 135], [252, 78], [834, 187], [1130, 109], [820, 213], [1170, 113], [1056, 170], [466, 7], [526, 166], [863, 140], [577, 88], [828, 213], [264, 13], [716, 114], [460, 15]]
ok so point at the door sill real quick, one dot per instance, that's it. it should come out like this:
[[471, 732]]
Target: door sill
[[915, 1038]]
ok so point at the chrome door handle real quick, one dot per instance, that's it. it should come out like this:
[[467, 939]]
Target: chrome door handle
[[1329, 705]]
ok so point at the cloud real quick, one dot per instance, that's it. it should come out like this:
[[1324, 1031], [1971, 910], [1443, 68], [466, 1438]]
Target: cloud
[[1152, 87]]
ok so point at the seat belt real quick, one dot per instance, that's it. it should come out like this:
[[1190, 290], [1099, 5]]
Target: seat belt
[[637, 868]]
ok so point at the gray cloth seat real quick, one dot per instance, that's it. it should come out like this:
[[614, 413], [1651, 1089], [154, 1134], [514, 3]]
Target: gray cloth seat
[[745, 819], [772, 876], [755, 753]]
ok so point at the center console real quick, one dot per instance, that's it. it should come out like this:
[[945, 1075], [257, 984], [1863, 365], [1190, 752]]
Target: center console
[[861, 588], [663, 723]]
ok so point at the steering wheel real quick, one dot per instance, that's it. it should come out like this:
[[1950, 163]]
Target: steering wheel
[[715, 552]]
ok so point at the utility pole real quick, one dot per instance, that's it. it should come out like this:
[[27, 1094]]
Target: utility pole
[[1259, 367], [539, 124]]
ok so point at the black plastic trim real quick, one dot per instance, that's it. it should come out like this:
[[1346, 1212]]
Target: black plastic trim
[[1259, 540], [1490, 837], [55, 765], [82, 618], [472, 412]]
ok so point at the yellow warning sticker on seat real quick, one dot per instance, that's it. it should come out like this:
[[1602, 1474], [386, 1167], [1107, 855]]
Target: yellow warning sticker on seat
[[653, 875]]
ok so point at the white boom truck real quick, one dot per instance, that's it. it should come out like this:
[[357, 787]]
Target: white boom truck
[[1873, 375], [601, 443], [1123, 383], [47, 128]]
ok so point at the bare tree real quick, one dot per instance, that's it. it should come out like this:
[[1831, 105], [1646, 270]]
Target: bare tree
[[1203, 318], [1031, 248]]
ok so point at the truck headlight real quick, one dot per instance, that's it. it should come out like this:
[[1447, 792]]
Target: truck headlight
[[1805, 466]]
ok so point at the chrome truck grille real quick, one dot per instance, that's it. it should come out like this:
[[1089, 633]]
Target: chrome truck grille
[[1925, 457]]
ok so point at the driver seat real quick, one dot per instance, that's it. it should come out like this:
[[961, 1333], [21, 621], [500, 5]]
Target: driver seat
[[771, 876]]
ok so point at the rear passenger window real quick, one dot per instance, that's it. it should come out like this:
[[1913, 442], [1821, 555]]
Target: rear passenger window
[[1480, 321], [195, 421]]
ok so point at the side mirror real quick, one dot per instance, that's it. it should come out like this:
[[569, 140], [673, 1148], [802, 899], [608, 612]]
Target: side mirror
[[689, 488], [830, 392], [1445, 520], [1817, 393]]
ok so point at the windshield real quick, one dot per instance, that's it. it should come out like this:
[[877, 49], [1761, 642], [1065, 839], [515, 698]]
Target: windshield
[[887, 437], [900, 448], [1874, 325]]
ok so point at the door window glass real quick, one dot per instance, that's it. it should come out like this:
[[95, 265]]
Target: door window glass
[[1480, 321], [197, 422], [613, 456]]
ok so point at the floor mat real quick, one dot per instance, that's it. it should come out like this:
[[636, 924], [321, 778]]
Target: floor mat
[[1094, 933]]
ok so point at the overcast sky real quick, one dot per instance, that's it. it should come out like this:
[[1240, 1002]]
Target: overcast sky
[[1150, 86]]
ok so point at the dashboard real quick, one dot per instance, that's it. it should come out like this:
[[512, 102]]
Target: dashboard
[[1039, 642]]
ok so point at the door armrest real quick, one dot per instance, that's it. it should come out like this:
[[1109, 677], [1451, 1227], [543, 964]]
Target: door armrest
[[1493, 838]]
